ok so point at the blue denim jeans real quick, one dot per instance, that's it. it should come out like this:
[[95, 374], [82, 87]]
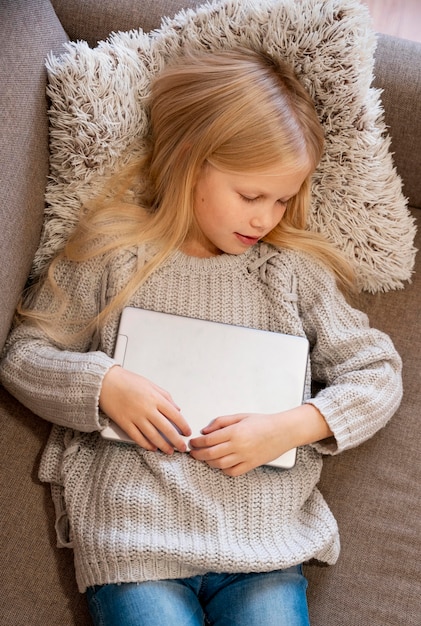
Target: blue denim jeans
[[264, 599]]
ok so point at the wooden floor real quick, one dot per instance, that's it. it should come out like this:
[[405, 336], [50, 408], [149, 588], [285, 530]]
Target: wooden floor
[[401, 18]]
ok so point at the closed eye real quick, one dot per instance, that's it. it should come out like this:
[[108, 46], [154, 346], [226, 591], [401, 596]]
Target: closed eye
[[256, 198], [248, 199]]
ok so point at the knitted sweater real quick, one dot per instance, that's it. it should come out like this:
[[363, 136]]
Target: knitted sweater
[[134, 515]]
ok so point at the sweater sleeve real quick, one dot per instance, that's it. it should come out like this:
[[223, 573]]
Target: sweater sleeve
[[60, 383], [358, 365]]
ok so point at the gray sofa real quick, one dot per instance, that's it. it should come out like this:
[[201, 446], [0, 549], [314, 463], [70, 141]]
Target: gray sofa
[[374, 490]]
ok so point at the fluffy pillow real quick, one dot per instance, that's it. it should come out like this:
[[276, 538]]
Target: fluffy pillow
[[98, 112]]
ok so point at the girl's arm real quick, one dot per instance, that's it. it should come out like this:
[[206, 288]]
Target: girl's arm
[[60, 384], [238, 443], [358, 365], [69, 385]]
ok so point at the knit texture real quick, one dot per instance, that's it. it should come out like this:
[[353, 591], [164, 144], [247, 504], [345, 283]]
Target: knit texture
[[99, 118], [133, 515]]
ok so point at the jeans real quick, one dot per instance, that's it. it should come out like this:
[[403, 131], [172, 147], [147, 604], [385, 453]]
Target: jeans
[[265, 599]]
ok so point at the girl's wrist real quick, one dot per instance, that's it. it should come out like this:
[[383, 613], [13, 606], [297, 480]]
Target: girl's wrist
[[306, 425]]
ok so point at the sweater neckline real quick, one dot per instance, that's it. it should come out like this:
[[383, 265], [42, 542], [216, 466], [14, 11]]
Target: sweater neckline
[[214, 263]]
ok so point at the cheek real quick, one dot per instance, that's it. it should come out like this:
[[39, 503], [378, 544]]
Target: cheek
[[203, 213], [199, 206], [279, 214]]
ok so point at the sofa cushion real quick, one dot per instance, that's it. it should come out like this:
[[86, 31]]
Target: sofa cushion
[[28, 31], [373, 491], [38, 585], [358, 202]]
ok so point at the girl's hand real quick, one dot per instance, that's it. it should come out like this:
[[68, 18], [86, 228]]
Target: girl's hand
[[144, 411], [236, 444]]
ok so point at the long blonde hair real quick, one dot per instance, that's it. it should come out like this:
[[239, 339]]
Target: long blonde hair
[[240, 111]]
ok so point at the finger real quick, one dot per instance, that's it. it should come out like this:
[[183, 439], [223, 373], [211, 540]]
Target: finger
[[162, 434], [212, 453], [237, 470], [223, 421], [212, 439], [139, 438], [224, 463], [165, 430], [231, 465], [171, 435], [176, 418]]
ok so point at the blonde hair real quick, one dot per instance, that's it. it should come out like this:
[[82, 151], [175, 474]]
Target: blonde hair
[[238, 110]]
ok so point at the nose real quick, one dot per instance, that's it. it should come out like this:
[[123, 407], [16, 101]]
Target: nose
[[257, 223], [267, 216], [262, 217]]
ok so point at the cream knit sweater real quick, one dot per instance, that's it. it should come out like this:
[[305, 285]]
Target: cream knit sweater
[[133, 515]]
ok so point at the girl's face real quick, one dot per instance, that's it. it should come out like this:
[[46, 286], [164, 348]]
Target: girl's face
[[234, 211]]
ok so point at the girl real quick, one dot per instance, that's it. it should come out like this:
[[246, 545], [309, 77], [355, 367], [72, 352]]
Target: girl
[[211, 224]]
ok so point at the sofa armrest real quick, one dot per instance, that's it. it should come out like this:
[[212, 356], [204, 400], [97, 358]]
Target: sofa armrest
[[397, 73], [28, 31]]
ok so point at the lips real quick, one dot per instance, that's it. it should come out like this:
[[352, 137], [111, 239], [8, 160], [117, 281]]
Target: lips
[[245, 239]]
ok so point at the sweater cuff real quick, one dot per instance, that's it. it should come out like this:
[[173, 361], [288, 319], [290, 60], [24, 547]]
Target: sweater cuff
[[92, 418], [342, 436]]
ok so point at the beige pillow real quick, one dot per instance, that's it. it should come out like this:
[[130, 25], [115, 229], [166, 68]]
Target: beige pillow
[[98, 111]]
